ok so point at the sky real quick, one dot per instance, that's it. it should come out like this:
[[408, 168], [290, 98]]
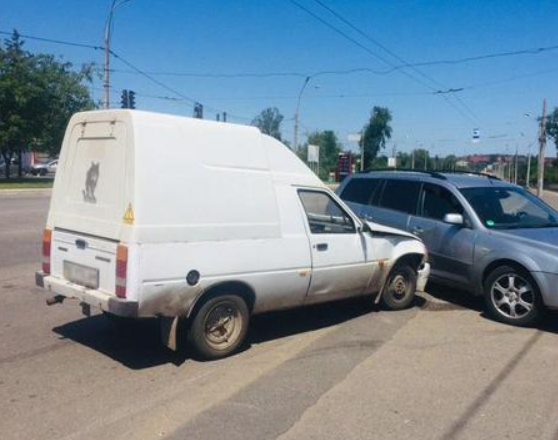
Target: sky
[[211, 40]]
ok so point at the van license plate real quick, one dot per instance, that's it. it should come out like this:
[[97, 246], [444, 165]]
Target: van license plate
[[82, 275]]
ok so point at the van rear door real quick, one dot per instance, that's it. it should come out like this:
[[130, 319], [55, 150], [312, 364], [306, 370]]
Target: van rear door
[[89, 203]]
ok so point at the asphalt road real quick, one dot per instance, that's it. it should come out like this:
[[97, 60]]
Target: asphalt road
[[441, 370]]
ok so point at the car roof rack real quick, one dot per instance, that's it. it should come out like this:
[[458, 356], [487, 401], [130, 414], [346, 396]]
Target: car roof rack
[[434, 174], [473, 173], [438, 174]]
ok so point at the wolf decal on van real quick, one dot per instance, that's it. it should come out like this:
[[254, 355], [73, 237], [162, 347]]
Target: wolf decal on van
[[91, 179]]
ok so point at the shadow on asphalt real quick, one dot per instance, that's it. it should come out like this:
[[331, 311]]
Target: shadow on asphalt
[[137, 345], [460, 299]]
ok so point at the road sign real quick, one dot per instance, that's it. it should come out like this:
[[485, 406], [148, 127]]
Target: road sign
[[476, 135], [392, 162], [313, 154]]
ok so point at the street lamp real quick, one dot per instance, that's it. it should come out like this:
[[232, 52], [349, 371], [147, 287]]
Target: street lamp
[[295, 143], [108, 29]]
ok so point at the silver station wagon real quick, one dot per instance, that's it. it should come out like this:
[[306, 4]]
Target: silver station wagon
[[483, 235]]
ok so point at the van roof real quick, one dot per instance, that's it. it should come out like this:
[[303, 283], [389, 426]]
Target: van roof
[[171, 177]]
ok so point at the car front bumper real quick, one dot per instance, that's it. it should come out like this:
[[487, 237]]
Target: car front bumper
[[94, 298], [422, 277]]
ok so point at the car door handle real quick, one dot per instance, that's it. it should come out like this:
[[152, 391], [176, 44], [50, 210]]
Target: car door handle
[[418, 230], [321, 246]]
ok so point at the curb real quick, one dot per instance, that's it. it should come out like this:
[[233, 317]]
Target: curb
[[29, 192]]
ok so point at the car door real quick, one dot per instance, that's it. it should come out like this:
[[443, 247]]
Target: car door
[[396, 203], [450, 247], [339, 264]]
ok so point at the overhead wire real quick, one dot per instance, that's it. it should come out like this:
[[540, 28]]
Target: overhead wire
[[131, 66], [400, 59]]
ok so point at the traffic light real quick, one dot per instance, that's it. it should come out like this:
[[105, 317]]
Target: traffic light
[[124, 101], [131, 99], [198, 110]]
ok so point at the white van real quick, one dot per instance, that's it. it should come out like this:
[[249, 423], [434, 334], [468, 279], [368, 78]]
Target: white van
[[163, 216]]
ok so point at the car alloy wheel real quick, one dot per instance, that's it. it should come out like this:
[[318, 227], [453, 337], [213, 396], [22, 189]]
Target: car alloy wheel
[[512, 296]]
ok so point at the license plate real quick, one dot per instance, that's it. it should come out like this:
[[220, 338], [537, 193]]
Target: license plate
[[82, 275]]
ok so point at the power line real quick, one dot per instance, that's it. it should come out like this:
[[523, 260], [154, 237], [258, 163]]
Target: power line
[[404, 72], [170, 89], [51, 40], [397, 57], [453, 61], [449, 61], [130, 65], [352, 40]]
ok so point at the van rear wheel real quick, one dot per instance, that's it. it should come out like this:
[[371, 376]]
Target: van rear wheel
[[219, 326], [401, 286]]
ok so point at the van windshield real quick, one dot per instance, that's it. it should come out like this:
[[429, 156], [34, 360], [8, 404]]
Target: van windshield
[[510, 208]]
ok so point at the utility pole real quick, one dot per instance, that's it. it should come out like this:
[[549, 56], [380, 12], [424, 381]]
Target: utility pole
[[413, 159], [295, 143], [425, 160], [108, 30], [542, 153], [528, 177], [394, 155], [515, 171]]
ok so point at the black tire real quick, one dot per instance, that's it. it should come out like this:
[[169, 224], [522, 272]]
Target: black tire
[[43, 172], [219, 326], [401, 286], [505, 298]]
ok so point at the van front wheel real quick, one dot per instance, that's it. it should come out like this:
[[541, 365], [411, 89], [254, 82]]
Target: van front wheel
[[219, 327], [399, 291]]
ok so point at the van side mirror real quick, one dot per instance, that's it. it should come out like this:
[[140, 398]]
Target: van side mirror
[[454, 219]]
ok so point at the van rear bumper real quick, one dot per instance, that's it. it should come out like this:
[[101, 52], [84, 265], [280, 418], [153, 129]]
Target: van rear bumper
[[95, 298]]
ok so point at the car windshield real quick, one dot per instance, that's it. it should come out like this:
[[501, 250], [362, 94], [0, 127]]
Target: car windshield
[[510, 208]]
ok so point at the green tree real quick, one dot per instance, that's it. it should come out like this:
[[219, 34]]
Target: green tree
[[38, 95], [375, 134], [269, 122], [330, 147], [552, 126]]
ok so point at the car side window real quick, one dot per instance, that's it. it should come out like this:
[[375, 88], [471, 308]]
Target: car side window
[[400, 195], [438, 201], [324, 215], [360, 190]]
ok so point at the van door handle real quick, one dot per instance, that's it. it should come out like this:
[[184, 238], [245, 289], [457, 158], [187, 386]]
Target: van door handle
[[321, 247], [418, 230]]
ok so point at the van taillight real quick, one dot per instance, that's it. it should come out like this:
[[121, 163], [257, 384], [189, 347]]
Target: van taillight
[[47, 240], [121, 270]]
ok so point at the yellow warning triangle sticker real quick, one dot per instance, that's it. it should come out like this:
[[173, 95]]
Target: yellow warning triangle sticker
[[129, 215]]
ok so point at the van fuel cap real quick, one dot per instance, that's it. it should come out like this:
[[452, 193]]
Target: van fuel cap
[[193, 277]]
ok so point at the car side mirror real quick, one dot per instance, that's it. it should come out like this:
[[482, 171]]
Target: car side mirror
[[454, 219]]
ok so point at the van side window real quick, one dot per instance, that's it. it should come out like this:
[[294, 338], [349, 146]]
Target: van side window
[[324, 215], [438, 201], [360, 190], [400, 195]]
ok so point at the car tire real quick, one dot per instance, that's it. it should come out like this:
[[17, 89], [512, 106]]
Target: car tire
[[400, 288], [42, 172], [219, 327], [512, 296]]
